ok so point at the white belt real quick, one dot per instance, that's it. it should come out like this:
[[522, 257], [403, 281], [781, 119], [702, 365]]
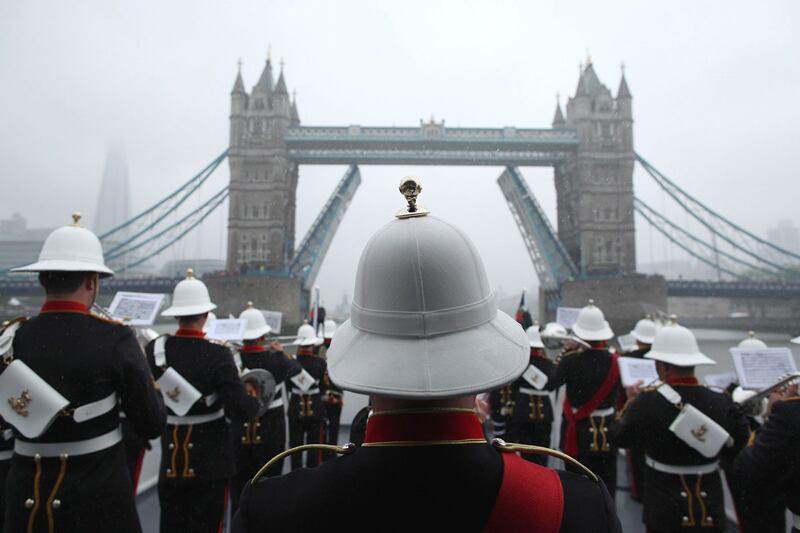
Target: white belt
[[5, 455], [608, 411], [95, 409], [194, 419], [689, 470], [211, 399], [78, 447], [8, 434], [276, 403], [309, 392], [534, 392]]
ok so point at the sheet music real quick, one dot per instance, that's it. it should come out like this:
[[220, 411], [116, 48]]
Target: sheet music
[[720, 381], [627, 343], [634, 369], [136, 308], [274, 319], [227, 329], [761, 367], [567, 316]]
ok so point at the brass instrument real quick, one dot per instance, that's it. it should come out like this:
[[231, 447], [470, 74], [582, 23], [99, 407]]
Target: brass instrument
[[753, 405]]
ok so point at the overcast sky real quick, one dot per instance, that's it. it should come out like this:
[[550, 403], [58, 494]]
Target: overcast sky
[[715, 88]]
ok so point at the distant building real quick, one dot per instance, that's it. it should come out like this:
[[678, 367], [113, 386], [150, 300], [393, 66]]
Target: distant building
[[114, 200], [786, 235], [177, 268], [19, 245]]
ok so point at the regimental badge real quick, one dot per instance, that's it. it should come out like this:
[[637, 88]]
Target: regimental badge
[[700, 433], [20, 404], [174, 393]]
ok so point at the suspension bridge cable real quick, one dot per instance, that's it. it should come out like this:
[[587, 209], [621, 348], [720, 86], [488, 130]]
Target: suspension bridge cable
[[675, 191], [640, 206], [195, 183], [212, 205], [684, 247]]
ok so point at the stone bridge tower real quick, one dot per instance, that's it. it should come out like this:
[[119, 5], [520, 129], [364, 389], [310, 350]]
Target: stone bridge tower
[[595, 187], [263, 180]]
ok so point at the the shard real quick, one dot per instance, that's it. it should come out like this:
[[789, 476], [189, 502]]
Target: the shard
[[113, 204]]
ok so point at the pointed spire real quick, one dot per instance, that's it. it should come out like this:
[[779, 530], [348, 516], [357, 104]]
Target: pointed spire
[[238, 85], [265, 82], [589, 83], [280, 88], [294, 116], [558, 119], [623, 91]]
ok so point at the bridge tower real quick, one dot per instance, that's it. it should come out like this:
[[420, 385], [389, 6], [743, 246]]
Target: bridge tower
[[594, 188], [263, 180]]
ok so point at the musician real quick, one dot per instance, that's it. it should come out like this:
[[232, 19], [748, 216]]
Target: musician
[[644, 333], [593, 386], [306, 412], [260, 439], [532, 418], [424, 338], [201, 387], [334, 396], [78, 370], [684, 428]]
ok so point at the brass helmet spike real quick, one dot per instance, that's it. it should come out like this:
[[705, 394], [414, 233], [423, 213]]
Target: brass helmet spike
[[591, 301], [76, 219], [751, 334], [410, 188], [249, 305], [189, 273], [673, 319]]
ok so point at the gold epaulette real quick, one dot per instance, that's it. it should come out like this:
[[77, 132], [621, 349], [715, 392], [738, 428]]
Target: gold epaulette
[[511, 447], [7, 323], [107, 320], [347, 449]]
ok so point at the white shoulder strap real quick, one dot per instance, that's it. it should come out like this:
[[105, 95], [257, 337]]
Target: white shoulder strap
[[7, 340], [670, 394], [160, 352]]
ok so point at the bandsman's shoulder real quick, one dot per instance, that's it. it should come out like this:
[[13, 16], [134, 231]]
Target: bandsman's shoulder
[[8, 323], [106, 320]]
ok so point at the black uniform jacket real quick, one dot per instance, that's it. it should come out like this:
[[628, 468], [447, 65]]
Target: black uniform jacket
[[769, 468], [645, 423], [583, 373], [430, 485], [203, 450], [84, 358], [281, 366], [316, 366], [638, 353], [532, 409]]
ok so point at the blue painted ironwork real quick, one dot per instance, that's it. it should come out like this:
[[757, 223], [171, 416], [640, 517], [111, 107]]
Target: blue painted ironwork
[[778, 290], [550, 259], [309, 255]]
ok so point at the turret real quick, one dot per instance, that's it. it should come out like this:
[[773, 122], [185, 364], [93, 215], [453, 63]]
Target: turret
[[294, 118], [558, 118], [624, 97], [238, 109]]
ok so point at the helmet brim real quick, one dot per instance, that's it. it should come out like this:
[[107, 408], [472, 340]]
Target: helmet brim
[[694, 359], [188, 310], [256, 333], [644, 339], [441, 366], [593, 335], [53, 265]]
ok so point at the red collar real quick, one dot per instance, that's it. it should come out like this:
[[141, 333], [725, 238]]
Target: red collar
[[64, 306], [195, 333], [683, 381], [253, 348], [426, 427]]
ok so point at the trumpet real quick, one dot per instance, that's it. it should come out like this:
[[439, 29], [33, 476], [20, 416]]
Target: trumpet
[[753, 404]]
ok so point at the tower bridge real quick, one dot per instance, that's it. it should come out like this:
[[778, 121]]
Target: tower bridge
[[590, 251]]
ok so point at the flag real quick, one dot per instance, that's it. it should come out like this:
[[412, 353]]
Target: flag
[[523, 316]]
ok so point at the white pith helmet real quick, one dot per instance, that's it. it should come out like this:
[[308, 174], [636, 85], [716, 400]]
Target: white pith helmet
[[424, 322], [795, 340], [256, 325], [645, 331], [306, 336], [70, 249], [329, 328], [554, 330], [752, 342], [534, 337], [190, 297], [677, 346], [591, 324]]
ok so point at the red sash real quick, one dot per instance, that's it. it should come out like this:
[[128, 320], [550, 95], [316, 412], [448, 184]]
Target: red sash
[[531, 498], [571, 437]]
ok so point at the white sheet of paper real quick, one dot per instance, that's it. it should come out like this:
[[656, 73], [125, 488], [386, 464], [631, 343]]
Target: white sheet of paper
[[274, 319], [627, 343], [227, 329], [720, 381], [535, 377], [634, 369], [566, 316], [762, 367], [136, 308]]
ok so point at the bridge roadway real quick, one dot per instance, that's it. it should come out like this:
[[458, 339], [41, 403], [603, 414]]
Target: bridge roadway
[[780, 290], [430, 144]]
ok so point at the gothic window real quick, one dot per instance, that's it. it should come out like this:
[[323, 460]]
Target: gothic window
[[242, 213], [255, 212], [258, 126], [258, 103], [608, 213]]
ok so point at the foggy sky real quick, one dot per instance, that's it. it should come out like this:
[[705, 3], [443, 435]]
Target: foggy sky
[[714, 87]]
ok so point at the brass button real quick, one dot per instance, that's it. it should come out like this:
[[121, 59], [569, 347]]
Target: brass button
[[37, 458], [703, 494], [591, 430], [244, 440], [683, 494], [258, 424], [258, 439], [56, 504], [171, 445], [169, 470], [709, 520], [191, 445], [29, 503], [191, 471], [685, 519], [245, 425]]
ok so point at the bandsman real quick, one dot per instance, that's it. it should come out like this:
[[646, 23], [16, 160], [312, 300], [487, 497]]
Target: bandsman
[[532, 419], [684, 428], [201, 388], [306, 412], [644, 333], [67, 373], [334, 396], [424, 337], [262, 438], [593, 387]]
